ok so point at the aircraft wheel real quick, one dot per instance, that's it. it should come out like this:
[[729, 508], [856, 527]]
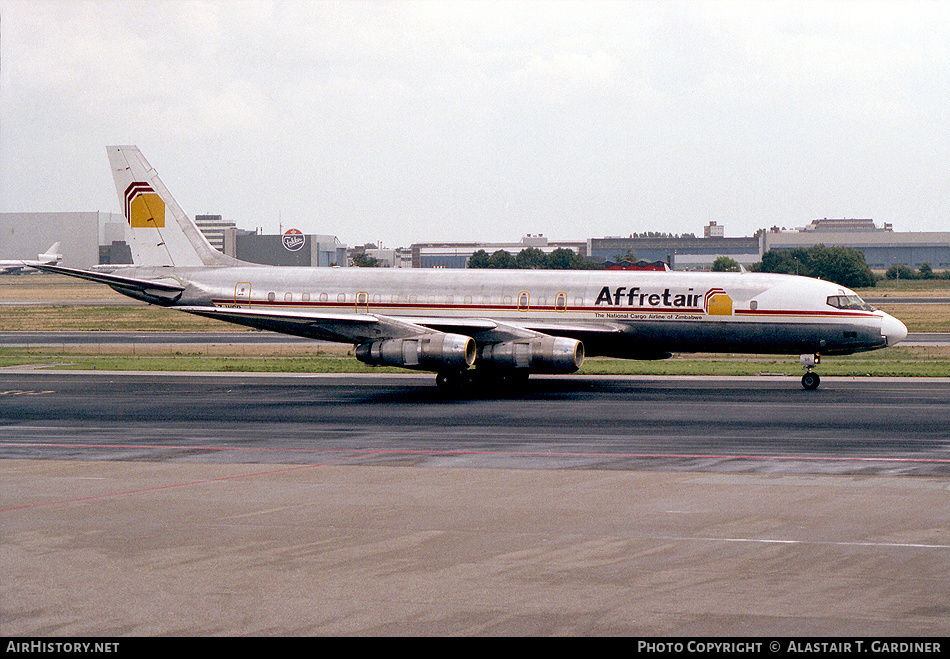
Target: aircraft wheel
[[810, 381], [499, 378], [509, 379], [518, 378]]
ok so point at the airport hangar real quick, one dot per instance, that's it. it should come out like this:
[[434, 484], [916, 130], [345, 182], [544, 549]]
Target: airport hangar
[[882, 247], [24, 235]]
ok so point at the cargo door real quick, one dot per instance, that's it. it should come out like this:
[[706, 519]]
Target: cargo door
[[362, 302], [524, 299]]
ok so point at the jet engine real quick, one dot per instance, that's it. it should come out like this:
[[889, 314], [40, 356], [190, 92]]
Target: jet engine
[[435, 351], [546, 354]]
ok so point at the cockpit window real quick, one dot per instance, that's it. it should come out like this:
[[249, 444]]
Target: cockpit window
[[849, 302]]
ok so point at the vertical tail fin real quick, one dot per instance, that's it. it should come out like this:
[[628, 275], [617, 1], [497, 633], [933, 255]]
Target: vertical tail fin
[[161, 233], [52, 255]]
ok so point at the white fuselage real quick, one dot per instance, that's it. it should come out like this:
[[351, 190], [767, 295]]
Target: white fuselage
[[649, 311]]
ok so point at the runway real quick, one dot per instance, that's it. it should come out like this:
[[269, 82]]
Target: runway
[[337, 504], [752, 425]]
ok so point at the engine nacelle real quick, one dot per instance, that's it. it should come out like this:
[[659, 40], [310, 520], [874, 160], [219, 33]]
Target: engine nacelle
[[547, 354], [430, 352]]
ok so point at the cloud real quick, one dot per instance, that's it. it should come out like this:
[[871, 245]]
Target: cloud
[[415, 121]]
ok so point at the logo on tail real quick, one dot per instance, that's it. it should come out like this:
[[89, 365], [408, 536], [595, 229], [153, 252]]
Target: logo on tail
[[143, 207]]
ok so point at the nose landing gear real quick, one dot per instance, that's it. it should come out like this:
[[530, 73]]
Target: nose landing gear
[[810, 380]]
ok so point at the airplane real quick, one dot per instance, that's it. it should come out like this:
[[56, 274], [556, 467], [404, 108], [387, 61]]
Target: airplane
[[16, 267], [485, 326]]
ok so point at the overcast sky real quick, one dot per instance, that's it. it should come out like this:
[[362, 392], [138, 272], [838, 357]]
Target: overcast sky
[[402, 122]]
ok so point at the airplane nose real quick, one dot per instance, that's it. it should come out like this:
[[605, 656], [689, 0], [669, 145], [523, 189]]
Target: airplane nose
[[893, 330]]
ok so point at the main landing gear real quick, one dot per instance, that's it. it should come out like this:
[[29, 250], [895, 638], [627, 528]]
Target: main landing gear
[[810, 380], [454, 381]]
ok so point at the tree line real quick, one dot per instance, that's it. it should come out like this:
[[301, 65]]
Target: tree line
[[925, 271], [842, 265], [532, 258]]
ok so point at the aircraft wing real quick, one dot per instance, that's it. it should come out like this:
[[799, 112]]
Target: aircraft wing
[[339, 327], [487, 330], [363, 327], [156, 292]]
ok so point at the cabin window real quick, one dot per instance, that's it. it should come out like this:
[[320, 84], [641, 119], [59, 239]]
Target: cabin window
[[753, 305], [271, 296], [288, 297], [305, 297], [468, 299], [341, 297], [324, 297]]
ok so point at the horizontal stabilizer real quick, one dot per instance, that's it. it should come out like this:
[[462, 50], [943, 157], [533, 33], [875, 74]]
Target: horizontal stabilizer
[[156, 292]]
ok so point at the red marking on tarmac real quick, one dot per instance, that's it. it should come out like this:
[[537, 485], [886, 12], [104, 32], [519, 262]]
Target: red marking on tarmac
[[165, 487], [359, 454], [564, 454]]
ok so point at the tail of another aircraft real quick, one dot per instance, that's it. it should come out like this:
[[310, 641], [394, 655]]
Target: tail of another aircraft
[[51, 256], [161, 233]]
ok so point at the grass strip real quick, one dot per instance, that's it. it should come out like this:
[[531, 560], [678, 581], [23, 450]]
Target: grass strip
[[914, 361]]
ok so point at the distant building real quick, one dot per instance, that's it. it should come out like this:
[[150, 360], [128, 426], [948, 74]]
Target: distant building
[[118, 252], [845, 225], [714, 230], [681, 253], [292, 248], [386, 257], [456, 255], [882, 246], [213, 227], [643, 266]]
